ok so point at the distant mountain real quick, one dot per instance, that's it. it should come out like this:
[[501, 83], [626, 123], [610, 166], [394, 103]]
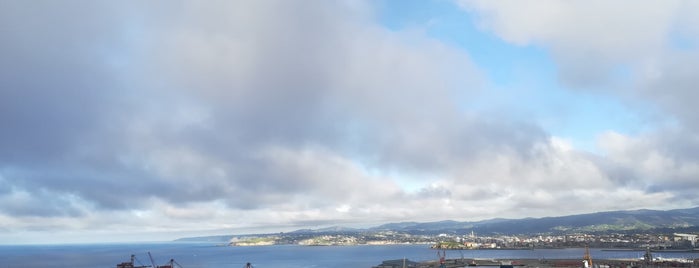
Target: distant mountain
[[613, 221], [333, 229], [631, 221], [215, 239]]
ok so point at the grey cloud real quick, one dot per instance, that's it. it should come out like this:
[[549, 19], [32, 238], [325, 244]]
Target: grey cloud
[[39, 203], [671, 84], [257, 105], [5, 186], [586, 70], [660, 162], [55, 83], [434, 191], [65, 128], [355, 103], [57, 90]]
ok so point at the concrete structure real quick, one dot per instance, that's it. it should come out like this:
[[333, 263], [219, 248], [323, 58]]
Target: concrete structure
[[398, 264], [692, 238]]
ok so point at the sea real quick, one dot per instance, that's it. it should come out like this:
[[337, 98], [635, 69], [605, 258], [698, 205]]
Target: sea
[[206, 255]]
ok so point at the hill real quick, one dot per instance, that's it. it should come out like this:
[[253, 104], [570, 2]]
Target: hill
[[613, 221], [631, 221]]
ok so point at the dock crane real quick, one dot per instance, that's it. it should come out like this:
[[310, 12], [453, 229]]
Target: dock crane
[[170, 264], [587, 258], [442, 259]]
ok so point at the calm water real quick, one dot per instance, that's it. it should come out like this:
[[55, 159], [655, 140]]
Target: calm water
[[203, 255]]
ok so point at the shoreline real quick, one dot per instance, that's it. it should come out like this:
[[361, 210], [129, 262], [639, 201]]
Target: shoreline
[[539, 263]]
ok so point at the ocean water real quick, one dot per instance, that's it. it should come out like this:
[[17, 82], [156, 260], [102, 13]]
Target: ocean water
[[205, 255]]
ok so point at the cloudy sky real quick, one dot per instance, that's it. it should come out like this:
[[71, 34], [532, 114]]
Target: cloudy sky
[[153, 120]]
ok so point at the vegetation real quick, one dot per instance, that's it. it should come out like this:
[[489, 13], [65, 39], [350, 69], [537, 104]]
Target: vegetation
[[608, 229]]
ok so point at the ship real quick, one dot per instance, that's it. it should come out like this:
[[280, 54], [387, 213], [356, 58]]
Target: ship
[[131, 263]]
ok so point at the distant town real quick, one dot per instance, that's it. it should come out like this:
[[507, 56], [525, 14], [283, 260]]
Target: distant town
[[671, 230], [674, 241]]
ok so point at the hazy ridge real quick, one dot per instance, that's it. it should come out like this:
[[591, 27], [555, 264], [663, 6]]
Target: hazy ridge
[[628, 221]]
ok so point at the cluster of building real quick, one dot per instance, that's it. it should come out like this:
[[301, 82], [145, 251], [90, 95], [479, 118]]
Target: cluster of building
[[472, 241], [653, 241]]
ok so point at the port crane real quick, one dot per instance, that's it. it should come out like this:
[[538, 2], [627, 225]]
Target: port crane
[[442, 259], [170, 264], [587, 258]]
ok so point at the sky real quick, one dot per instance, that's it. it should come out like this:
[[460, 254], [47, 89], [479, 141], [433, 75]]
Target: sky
[[153, 120]]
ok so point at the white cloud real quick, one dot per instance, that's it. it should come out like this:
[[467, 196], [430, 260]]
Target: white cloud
[[658, 163], [638, 52], [591, 40], [276, 114]]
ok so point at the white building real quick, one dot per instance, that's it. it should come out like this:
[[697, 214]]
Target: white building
[[692, 238]]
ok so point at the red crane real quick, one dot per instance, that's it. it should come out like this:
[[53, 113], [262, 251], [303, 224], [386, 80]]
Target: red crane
[[442, 259]]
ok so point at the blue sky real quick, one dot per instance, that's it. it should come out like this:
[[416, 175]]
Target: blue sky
[[151, 121], [526, 74]]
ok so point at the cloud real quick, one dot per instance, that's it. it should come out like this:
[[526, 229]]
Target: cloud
[[629, 51], [259, 106], [664, 163], [50, 76], [637, 50], [590, 40], [281, 114]]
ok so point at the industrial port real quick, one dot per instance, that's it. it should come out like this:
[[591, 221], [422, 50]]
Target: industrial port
[[586, 261]]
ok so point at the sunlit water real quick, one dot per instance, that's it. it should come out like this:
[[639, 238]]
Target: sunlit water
[[204, 255]]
